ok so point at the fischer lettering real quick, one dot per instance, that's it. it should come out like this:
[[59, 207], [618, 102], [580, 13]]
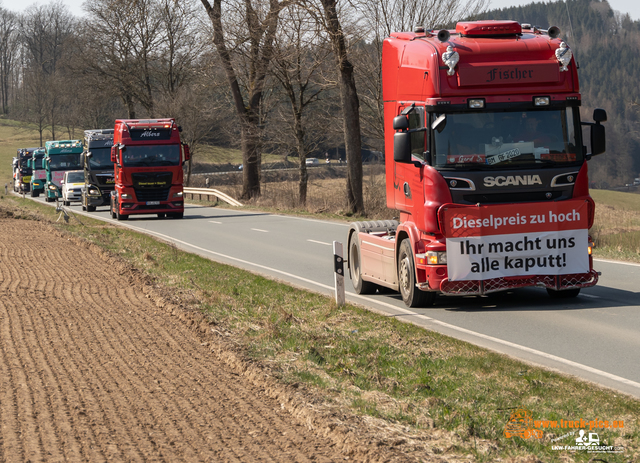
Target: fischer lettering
[[512, 180], [147, 133]]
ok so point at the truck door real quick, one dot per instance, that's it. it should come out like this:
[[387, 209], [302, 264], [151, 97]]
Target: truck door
[[407, 183]]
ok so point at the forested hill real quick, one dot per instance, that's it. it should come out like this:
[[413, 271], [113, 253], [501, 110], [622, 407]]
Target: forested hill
[[606, 45]]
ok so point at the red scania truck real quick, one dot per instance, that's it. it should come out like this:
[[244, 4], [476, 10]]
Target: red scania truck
[[485, 164], [148, 157]]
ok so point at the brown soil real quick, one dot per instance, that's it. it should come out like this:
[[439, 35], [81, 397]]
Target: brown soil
[[95, 365]]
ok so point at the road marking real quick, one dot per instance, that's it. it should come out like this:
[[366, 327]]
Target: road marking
[[590, 295], [616, 262], [213, 221], [259, 230], [319, 242], [402, 310]]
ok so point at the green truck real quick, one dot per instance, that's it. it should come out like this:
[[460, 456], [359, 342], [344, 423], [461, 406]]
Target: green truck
[[60, 156]]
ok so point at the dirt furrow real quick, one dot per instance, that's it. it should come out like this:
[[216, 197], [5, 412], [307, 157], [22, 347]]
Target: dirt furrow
[[92, 370]]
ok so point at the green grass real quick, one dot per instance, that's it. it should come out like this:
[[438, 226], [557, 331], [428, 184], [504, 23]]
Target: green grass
[[616, 231], [370, 364], [13, 135], [217, 155]]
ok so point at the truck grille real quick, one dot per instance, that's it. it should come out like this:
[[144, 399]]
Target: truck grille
[[152, 194]]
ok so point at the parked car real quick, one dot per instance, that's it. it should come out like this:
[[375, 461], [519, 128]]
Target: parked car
[[72, 184], [312, 162]]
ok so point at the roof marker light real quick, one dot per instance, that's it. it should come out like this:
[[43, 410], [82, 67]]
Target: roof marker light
[[541, 101], [477, 103]]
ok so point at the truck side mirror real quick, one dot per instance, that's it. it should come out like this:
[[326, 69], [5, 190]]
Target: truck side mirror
[[402, 147], [401, 123], [599, 115], [113, 154], [187, 152], [598, 140]]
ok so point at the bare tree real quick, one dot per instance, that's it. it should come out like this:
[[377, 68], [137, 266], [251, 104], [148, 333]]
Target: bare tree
[[117, 45], [299, 58], [8, 50], [328, 15], [45, 34], [247, 35]]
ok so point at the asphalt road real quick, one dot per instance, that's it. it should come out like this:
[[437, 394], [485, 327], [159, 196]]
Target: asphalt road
[[595, 336]]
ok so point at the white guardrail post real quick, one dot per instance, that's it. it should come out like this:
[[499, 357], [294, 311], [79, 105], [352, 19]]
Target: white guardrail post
[[338, 272]]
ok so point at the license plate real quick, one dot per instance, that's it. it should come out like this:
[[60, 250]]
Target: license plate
[[153, 203]]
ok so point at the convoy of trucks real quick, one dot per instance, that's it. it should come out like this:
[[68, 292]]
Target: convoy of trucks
[[485, 164], [99, 177], [60, 156], [148, 157]]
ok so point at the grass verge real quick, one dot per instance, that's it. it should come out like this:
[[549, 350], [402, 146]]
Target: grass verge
[[370, 364]]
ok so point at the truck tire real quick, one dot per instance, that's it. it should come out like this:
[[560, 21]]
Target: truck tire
[[359, 285], [91, 208], [565, 294], [118, 215], [161, 215], [411, 295], [33, 193], [113, 213], [176, 215]]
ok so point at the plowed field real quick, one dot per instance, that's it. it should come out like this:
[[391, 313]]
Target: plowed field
[[93, 367]]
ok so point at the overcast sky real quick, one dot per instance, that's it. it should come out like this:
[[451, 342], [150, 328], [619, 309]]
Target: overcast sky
[[625, 6]]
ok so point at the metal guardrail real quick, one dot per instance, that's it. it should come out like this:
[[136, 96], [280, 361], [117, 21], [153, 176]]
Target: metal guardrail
[[212, 192]]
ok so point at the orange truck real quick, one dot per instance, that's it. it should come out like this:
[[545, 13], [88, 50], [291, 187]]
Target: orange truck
[[485, 164]]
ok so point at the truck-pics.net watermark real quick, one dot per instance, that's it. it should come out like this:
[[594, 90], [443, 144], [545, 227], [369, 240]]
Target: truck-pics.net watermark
[[522, 424]]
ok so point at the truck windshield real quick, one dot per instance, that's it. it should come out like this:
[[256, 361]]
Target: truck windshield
[[151, 155], [100, 158], [65, 162], [37, 161], [506, 139]]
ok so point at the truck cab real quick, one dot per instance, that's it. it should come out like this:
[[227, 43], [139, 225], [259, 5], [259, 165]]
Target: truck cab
[[38, 174], [60, 156], [24, 170], [148, 156], [484, 154], [99, 174]]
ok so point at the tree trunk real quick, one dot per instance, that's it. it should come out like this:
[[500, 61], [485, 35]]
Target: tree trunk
[[350, 109]]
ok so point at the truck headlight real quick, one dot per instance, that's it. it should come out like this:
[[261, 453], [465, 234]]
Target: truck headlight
[[436, 257], [125, 196], [94, 191], [178, 194], [53, 187]]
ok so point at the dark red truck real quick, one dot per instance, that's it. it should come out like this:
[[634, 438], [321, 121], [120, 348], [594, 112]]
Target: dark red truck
[[148, 157]]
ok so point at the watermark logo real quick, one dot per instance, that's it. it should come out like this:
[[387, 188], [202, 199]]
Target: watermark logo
[[521, 424]]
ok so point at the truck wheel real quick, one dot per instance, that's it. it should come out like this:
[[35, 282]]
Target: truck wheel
[[355, 269], [91, 208], [566, 294], [177, 215], [412, 296], [118, 215], [161, 215], [33, 193]]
